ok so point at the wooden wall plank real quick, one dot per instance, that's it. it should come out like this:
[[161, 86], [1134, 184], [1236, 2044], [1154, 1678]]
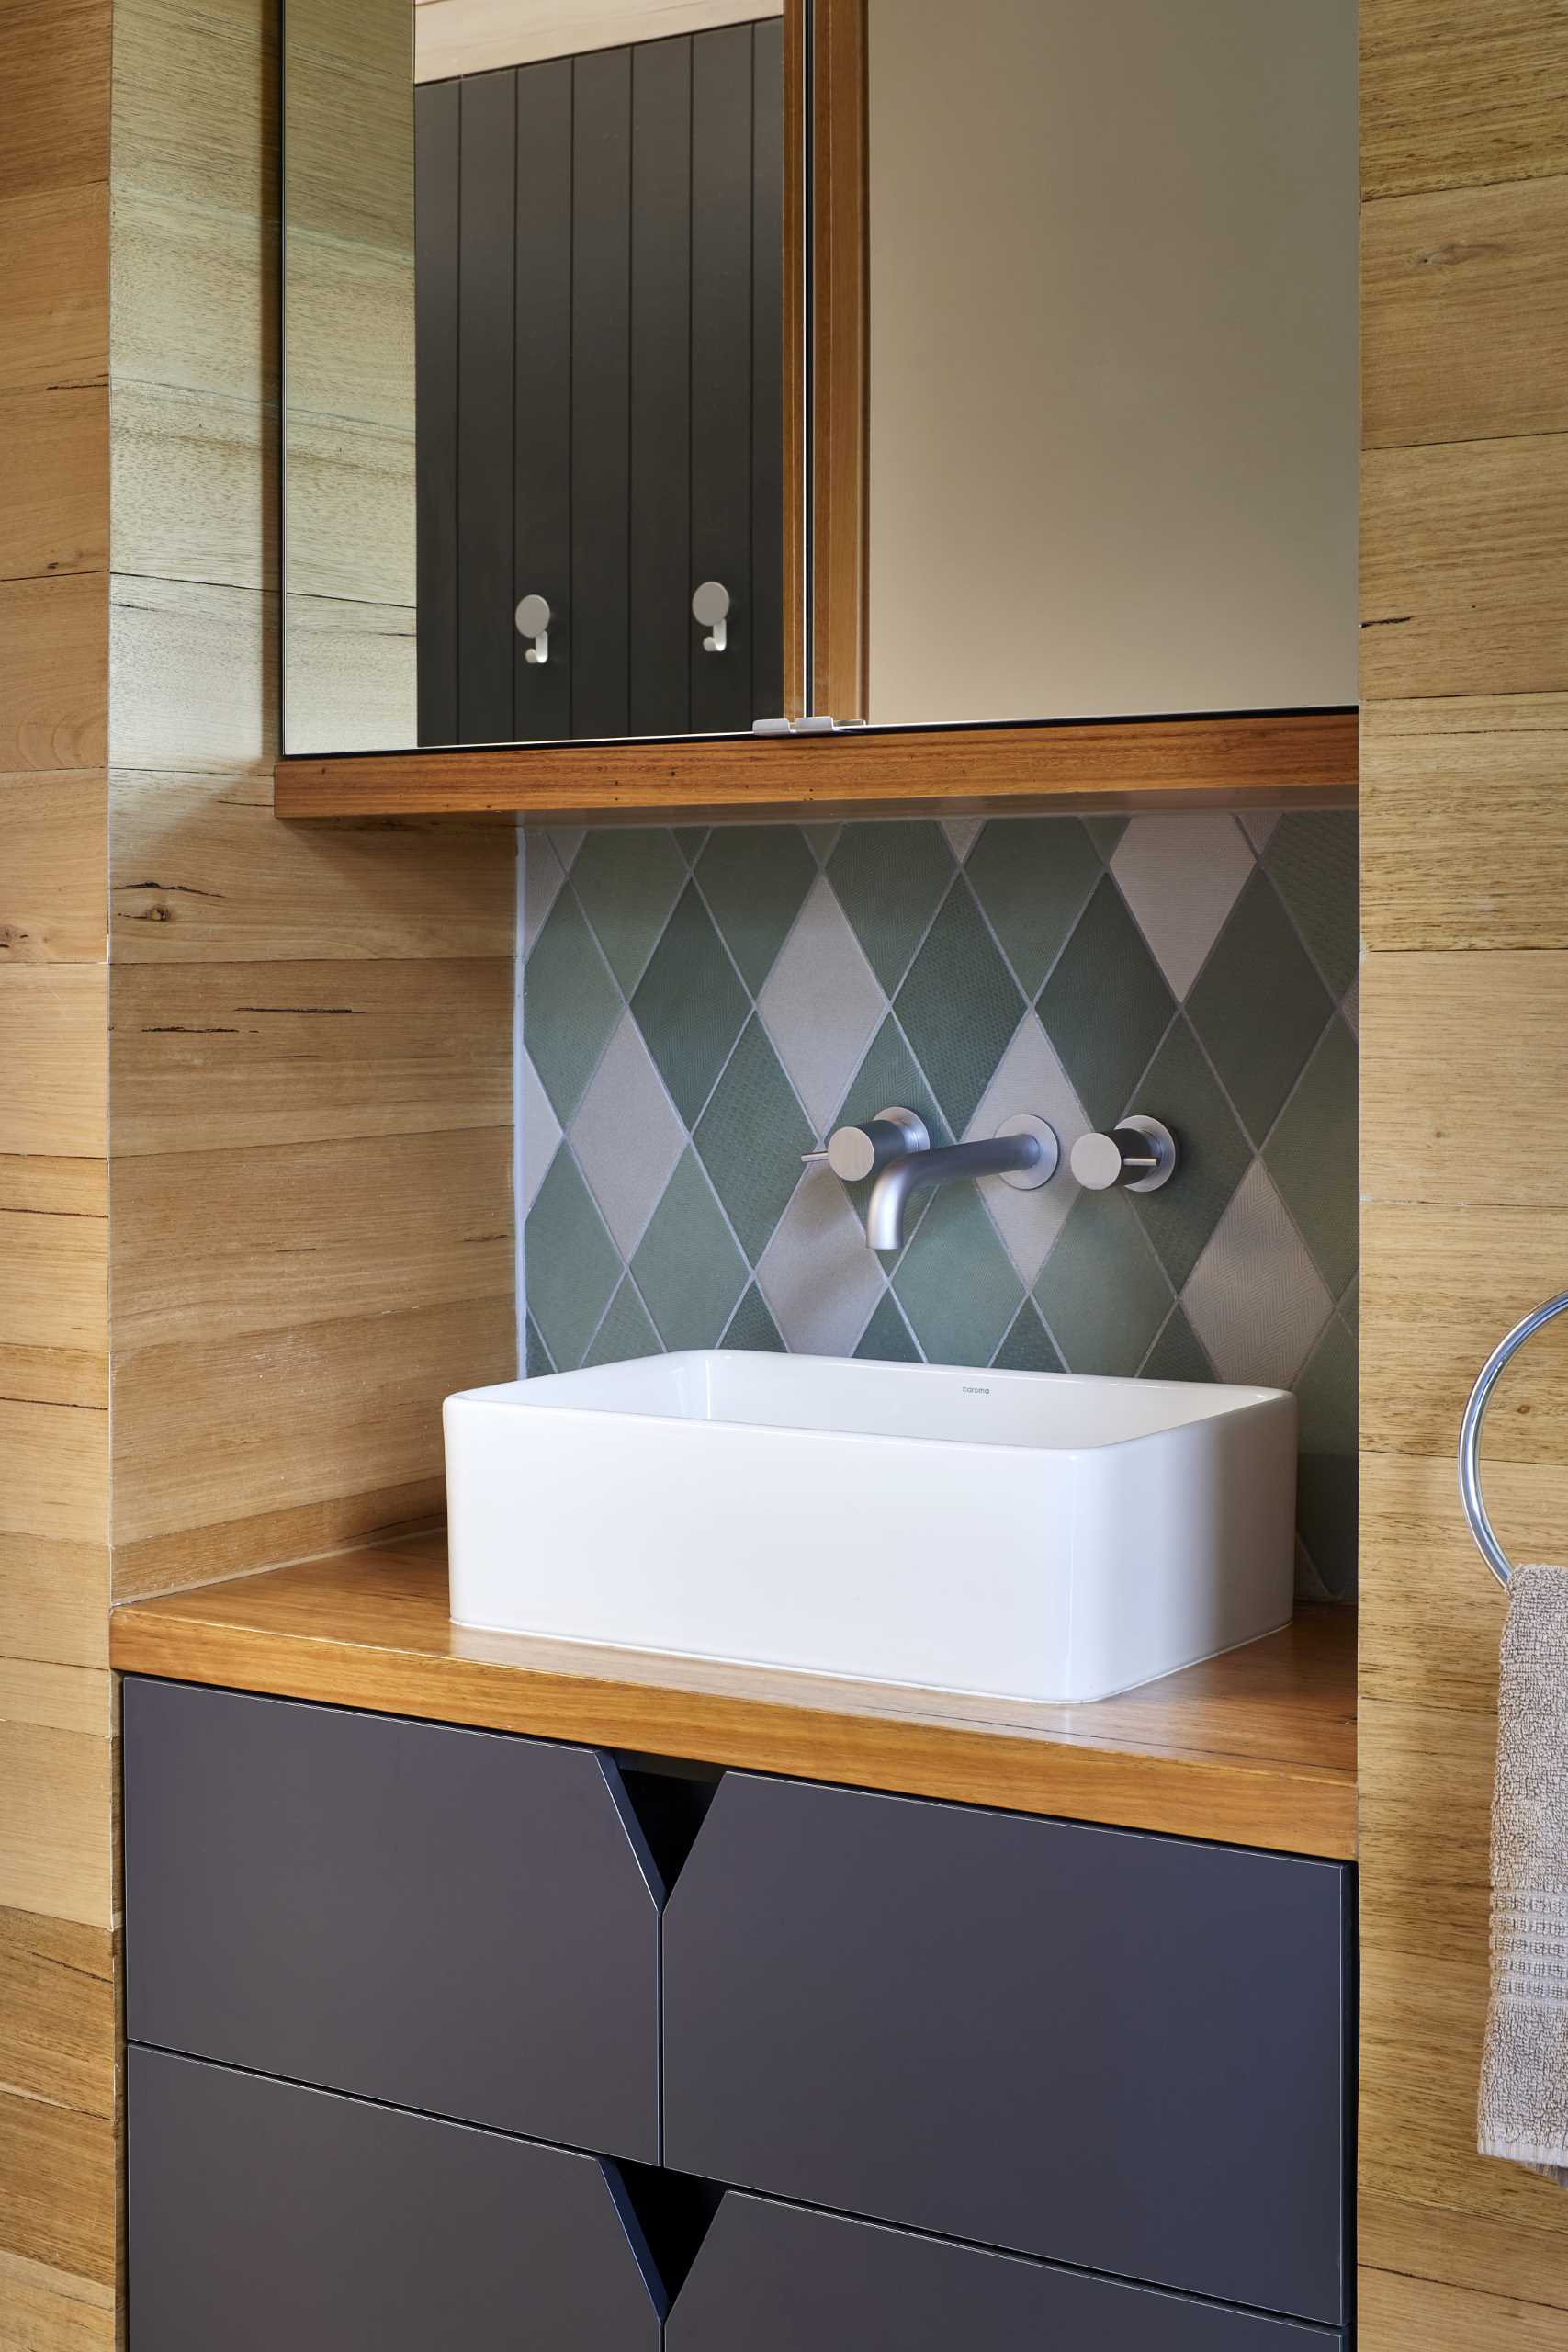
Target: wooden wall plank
[[350, 299], [54, 1590], [352, 672], [53, 287], [54, 516], [46, 2309], [53, 660], [211, 1056], [53, 1477], [59, 1187], [54, 871], [1455, 92], [1443, 2320], [1503, 2258], [54, 95], [55, 1337], [196, 103], [52, 1019], [192, 297], [170, 1561], [195, 487], [351, 491], [1464, 549], [58, 2185], [57, 1821], [192, 675]]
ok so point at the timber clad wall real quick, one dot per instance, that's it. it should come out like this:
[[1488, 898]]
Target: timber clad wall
[[1465, 1010]]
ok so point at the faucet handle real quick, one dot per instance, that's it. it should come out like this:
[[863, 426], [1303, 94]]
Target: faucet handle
[[1137, 1156], [855, 1152]]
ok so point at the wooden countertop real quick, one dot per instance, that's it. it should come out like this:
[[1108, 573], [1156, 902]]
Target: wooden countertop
[[1255, 1748]]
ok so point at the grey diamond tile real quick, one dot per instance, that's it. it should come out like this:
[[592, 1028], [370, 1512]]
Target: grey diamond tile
[[885, 1339], [751, 1136], [889, 880], [1181, 1089], [755, 878], [1033, 877], [1259, 1006], [1105, 832], [959, 1007], [571, 1004], [1258, 825], [687, 1266], [542, 874], [1028, 1346], [1255, 1299], [821, 1004], [626, 1135], [820, 1281], [1106, 1007], [1178, 1353], [956, 1283], [890, 1079], [567, 841], [1313, 1156], [821, 840], [689, 841], [535, 1356], [1030, 1078], [1102, 1290], [1312, 856], [1182, 875], [627, 882], [540, 1133], [571, 1266], [1327, 1480], [626, 1330], [751, 1327], [962, 832], [690, 1006]]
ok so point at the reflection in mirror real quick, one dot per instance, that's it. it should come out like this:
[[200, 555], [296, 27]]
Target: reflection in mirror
[[562, 224], [1113, 357]]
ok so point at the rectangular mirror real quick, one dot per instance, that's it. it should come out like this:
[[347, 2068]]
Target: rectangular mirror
[[1033, 323]]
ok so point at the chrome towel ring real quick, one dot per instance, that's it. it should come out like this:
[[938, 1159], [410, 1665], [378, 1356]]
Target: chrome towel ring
[[1490, 1551]]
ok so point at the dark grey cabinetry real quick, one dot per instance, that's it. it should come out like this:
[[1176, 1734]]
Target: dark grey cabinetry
[[446, 1919], [776, 2278], [1120, 2052], [267, 2218]]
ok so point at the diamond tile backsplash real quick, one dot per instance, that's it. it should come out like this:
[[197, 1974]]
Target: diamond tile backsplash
[[700, 1008]]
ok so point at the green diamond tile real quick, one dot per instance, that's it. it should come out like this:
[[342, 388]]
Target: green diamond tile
[[751, 1136], [1259, 1006], [1028, 1346], [752, 1327], [570, 1005], [1326, 1485], [959, 1007], [888, 1078], [1033, 877], [755, 878], [956, 1281], [690, 1006], [1313, 1157], [570, 1264], [1106, 833], [1178, 1353], [626, 1330], [885, 1339], [1312, 856], [689, 840], [889, 880], [1106, 1007], [1101, 1291], [535, 1356], [687, 1266], [628, 883], [1181, 1089], [821, 840]]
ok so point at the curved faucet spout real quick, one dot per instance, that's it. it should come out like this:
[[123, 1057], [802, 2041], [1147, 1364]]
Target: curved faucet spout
[[915, 1171]]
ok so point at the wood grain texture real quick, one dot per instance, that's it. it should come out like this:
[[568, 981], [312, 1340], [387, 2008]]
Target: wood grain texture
[[192, 675], [54, 95], [219, 1056], [54, 516], [57, 1821], [53, 1474], [1306, 759], [174, 1562], [53, 666], [58, 2192], [351, 490], [195, 487], [1500, 1019], [350, 332], [352, 671], [1464, 823], [53, 1589], [1436, 2242], [196, 111], [193, 304], [204, 873], [57, 1187], [54, 1334], [1466, 301], [54, 870], [46, 2309], [57, 2014], [1257, 1747], [52, 1049], [1464, 551], [54, 288], [1455, 93], [1443, 2320]]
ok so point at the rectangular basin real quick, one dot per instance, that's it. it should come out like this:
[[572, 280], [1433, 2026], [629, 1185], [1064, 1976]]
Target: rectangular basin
[[1020, 1535]]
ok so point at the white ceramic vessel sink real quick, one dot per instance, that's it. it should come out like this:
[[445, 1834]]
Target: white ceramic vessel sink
[[1027, 1535]]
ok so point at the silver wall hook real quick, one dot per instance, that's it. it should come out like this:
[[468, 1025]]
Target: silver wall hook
[[533, 618], [710, 608]]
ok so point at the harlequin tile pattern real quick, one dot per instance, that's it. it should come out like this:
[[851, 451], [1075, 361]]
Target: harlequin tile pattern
[[700, 1008]]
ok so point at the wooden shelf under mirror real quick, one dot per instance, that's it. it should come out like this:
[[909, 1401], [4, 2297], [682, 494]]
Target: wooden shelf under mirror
[[1259, 760]]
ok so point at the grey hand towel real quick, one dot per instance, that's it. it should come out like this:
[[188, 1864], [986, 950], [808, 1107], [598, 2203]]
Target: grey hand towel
[[1524, 2067]]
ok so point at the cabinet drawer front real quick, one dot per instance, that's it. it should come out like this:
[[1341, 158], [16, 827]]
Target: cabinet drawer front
[[261, 2216], [1122, 2052], [450, 1920], [776, 2278]]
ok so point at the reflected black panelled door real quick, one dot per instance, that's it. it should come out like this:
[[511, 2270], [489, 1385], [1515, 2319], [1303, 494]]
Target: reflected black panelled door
[[599, 387]]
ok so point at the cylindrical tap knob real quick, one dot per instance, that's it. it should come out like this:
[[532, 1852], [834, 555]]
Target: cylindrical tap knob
[[853, 1153], [1138, 1156]]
